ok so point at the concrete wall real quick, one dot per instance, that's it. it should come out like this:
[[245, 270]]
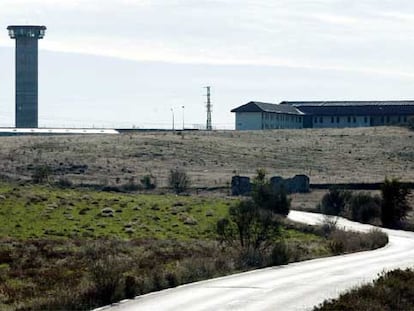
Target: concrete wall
[[26, 82]]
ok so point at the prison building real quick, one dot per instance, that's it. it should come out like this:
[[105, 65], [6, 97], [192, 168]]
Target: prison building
[[322, 114]]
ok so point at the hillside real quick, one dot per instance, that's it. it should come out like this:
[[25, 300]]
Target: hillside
[[211, 158]]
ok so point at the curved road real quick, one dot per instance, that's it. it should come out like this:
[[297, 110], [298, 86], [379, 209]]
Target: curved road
[[297, 286]]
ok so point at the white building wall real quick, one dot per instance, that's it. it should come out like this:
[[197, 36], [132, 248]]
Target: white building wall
[[248, 121]]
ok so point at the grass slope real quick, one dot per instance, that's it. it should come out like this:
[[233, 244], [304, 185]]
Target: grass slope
[[211, 158], [45, 212]]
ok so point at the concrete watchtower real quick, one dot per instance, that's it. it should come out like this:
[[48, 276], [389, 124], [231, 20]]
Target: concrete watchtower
[[26, 73]]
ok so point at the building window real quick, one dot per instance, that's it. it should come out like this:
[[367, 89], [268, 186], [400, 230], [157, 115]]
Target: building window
[[337, 119], [332, 119], [316, 120], [405, 118], [388, 119], [349, 119], [366, 119], [354, 119], [320, 119], [399, 119], [382, 119]]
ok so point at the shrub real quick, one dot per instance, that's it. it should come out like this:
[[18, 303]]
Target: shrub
[[393, 290], [149, 182], [248, 227], [329, 225], [41, 174], [106, 266], [341, 241], [64, 183], [411, 123], [363, 207], [395, 204], [268, 198], [280, 254], [333, 202], [178, 180]]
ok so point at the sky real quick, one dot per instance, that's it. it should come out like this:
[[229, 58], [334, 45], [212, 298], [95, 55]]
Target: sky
[[137, 63]]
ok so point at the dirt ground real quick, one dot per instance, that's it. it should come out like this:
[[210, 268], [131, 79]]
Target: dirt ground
[[211, 158]]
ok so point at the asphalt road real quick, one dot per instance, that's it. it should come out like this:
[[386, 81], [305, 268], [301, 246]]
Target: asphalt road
[[297, 286]]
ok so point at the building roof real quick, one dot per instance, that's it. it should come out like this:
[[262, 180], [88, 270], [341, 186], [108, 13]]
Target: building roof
[[351, 103], [332, 108], [267, 107], [361, 108]]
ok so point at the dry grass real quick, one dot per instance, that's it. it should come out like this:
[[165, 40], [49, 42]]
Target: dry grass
[[211, 158]]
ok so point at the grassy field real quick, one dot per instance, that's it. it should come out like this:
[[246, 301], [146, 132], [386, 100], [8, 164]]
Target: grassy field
[[63, 249], [45, 212], [211, 158], [77, 248]]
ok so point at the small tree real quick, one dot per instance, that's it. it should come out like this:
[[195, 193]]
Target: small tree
[[149, 182], [250, 228], [178, 180], [41, 174], [395, 205], [267, 197]]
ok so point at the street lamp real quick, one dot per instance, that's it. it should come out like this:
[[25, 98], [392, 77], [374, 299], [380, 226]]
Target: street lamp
[[172, 112], [183, 116]]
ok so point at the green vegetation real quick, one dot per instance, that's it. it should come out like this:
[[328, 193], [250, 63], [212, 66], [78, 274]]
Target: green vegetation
[[391, 291], [394, 203], [178, 180], [268, 198], [64, 249], [390, 209], [254, 225], [45, 212]]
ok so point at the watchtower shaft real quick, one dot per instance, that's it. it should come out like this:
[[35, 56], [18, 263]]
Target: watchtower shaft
[[26, 73]]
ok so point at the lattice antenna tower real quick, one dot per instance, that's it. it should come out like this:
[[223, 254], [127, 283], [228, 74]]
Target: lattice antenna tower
[[208, 125]]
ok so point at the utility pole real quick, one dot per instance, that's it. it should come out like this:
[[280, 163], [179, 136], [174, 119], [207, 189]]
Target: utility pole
[[208, 125], [183, 116], [172, 112]]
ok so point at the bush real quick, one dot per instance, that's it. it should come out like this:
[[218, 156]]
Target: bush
[[411, 123], [64, 183], [395, 205], [149, 182], [250, 229], [106, 266], [364, 208], [348, 241], [178, 180], [333, 202], [41, 174], [393, 290], [280, 254], [268, 198]]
